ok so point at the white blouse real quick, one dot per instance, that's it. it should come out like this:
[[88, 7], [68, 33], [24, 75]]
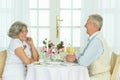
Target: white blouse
[[15, 69], [11, 56]]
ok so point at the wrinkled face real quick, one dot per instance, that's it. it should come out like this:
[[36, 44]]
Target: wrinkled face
[[89, 26], [23, 34]]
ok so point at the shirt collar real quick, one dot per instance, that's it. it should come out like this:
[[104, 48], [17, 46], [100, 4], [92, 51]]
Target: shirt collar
[[93, 35]]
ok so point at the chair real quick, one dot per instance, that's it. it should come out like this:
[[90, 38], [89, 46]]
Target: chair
[[2, 62], [115, 64]]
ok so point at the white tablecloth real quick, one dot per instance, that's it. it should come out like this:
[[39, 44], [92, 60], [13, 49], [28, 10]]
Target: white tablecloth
[[57, 72]]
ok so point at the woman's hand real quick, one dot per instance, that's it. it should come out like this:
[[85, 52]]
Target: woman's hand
[[70, 58], [29, 41]]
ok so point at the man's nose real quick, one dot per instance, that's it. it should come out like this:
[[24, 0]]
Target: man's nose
[[85, 25]]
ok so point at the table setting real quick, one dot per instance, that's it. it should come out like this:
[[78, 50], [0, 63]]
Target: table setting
[[53, 65], [56, 71]]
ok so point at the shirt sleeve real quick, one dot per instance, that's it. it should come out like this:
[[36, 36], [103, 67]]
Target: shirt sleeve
[[16, 43], [93, 51]]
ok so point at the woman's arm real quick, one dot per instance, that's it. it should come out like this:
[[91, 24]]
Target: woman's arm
[[34, 51], [21, 54]]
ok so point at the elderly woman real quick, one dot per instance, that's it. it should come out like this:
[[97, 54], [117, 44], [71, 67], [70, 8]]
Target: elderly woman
[[21, 51]]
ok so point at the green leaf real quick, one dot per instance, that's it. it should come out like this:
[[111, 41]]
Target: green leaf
[[44, 42]]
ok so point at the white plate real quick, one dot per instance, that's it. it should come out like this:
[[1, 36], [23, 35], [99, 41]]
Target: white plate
[[55, 63], [70, 64]]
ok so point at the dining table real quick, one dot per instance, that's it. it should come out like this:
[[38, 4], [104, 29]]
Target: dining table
[[56, 71]]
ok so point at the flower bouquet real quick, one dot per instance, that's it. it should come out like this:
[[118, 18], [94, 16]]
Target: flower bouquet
[[52, 50]]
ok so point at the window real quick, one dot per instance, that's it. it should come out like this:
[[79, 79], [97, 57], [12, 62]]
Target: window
[[43, 21], [70, 12], [39, 20], [6, 18]]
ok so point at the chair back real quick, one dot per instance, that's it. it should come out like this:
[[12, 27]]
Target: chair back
[[2, 61], [115, 64]]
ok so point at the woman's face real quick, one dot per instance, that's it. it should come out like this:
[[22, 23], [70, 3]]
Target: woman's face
[[23, 34]]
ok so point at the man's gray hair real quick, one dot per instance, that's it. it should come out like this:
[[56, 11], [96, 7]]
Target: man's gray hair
[[15, 29], [97, 19]]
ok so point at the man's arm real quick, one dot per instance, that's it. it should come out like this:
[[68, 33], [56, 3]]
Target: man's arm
[[93, 51]]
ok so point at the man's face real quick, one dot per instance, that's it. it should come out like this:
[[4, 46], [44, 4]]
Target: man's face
[[89, 26]]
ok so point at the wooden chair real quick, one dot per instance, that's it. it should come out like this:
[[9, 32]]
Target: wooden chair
[[2, 62], [115, 64]]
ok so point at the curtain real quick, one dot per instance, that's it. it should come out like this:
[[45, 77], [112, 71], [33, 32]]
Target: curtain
[[110, 11], [11, 11], [18, 10]]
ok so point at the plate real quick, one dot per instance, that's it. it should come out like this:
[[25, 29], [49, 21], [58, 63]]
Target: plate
[[55, 63], [36, 63], [70, 64]]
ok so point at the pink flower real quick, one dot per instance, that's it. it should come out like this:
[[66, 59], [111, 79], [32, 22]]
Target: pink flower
[[49, 51], [49, 42], [60, 50], [54, 49], [43, 49]]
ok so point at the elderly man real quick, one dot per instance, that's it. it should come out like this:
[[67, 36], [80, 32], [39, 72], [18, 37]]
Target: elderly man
[[96, 54]]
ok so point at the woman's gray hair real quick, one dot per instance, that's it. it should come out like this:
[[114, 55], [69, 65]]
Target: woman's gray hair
[[97, 19], [15, 29]]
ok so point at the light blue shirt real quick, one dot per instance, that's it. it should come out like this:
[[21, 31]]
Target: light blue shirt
[[92, 51]]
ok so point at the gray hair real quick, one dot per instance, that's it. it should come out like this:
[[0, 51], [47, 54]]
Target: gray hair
[[15, 29], [97, 19]]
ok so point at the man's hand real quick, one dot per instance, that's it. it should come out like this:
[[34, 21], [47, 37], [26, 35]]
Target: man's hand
[[70, 58]]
